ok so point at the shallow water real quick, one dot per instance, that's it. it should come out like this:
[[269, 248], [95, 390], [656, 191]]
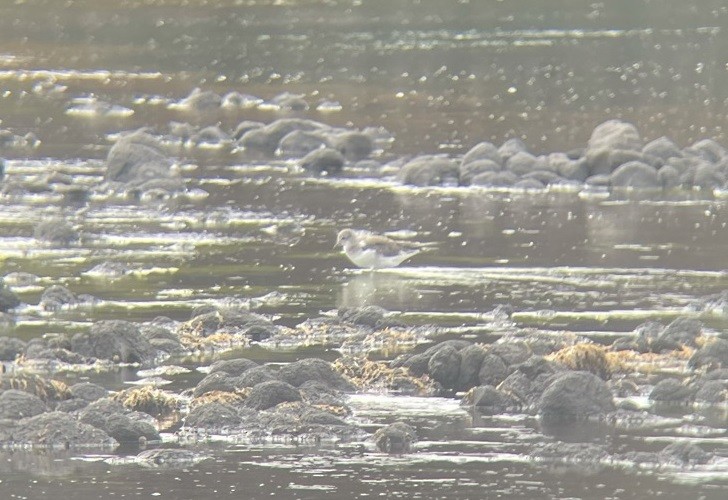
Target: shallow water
[[440, 76]]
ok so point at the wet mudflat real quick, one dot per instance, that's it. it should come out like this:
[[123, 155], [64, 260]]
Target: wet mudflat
[[235, 228]]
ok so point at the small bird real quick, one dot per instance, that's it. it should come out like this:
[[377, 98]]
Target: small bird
[[375, 251]]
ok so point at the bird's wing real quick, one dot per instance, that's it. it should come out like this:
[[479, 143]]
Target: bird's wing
[[387, 246]]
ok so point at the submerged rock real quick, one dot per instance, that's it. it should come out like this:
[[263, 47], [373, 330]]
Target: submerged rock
[[55, 297], [324, 160], [136, 158], [55, 231], [396, 438]]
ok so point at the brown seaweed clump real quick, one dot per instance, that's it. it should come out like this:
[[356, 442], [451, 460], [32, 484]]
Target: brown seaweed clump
[[230, 398], [587, 357], [366, 374], [47, 390], [160, 404]]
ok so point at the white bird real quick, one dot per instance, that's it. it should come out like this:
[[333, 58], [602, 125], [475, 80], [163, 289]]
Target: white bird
[[375, 251]]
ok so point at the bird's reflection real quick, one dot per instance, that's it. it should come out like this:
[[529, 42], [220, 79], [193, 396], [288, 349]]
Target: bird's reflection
[[386, 289]]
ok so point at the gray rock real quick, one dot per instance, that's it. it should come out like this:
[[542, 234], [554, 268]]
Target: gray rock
[[573, 396], [574, 170], [10, 348], [471, 359], [299, 143], [513, 352], [669, 176], [672, 390], [88, 391], [713, 354], [323, 160], [482, 151], [201, 100], [707, 149], [490, 401], [214, 417], [663, 148], [353, 145], [216, 381], [8, 299], [529, 184], [210, 135], [712, 392], [233, 367], [682, 331], [395, 438], [522, 163], [56, 231], [313, 369], [119, 423], [444, 367], [635, 175], [55, 430], [371, 316], [512, 147], [136, 158], [430, 171], [473, 168], [685, 453], [269, 394], [494, 179], [116, 340], [55, 297], [708, 177], [493, 370], [254, 376], [246, 126], [544, 177], [266, 139], [16, 404], [615, 134]]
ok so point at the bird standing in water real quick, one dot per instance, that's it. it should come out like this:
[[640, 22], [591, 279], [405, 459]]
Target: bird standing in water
[[375, 251]]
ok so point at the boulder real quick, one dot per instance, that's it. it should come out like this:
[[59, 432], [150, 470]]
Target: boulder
[[672, 390], [299, 143], [55, 231], [115, 340], [395, 438], [493, 370], [325, 160], [16, 404], [56, 297], [269, 394], [471, 359], [713, 354], [662, 148], [522, 163], [313, 369], [512, 147], [136, 158], [473, 168], [575, 395], [482, 151], [214, 417], [635, 175], [353, 145], [233, 367], [490, 401], [119, 423], [254, 376], [10, 348], [430, 171], [55, 430], [494, 179]]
